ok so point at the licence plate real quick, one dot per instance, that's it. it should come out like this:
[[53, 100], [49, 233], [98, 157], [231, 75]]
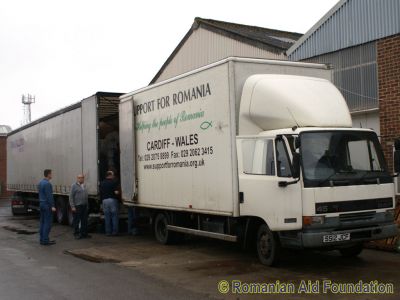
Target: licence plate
[[329, 238]]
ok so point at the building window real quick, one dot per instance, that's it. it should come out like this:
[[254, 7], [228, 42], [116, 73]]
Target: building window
[[354, 74]]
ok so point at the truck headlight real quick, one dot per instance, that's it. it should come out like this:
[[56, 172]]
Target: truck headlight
[[311, 220]]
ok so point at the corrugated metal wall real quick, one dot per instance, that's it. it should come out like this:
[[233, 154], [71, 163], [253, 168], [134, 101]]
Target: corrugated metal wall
[[204, 47], [355, 22], [355, 75]]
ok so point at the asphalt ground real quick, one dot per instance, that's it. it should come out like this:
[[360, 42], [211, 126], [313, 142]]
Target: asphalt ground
[[128, 267]]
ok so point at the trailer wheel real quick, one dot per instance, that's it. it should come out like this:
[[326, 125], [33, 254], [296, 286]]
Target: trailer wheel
[[267, 246], [352, 251], [62, 211], [163, 235]]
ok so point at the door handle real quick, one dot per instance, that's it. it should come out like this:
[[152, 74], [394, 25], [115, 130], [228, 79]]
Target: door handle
[[241, 197], [286, 183]]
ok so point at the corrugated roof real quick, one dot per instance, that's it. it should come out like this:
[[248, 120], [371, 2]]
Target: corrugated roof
[[281, 40], [349, 23], [272, 40]]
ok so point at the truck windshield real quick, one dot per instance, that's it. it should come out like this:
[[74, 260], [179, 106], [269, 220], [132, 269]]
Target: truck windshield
[[342, 158]]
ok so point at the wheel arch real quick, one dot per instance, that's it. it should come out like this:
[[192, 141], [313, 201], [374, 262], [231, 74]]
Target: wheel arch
[[251, 225]]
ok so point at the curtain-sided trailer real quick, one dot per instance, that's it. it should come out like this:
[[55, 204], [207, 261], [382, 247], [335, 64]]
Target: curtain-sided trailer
[[78, 139]]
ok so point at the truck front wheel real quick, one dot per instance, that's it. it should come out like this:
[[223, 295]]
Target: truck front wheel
[[352, 251], [163, 235], [267, 246]]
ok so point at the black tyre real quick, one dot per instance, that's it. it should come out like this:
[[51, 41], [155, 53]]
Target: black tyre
[[62, 211], [267, 246], [352, 251], [161, 232]]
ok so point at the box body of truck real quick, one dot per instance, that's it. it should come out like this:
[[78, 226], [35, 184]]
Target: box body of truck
[[68, 142], [178, 138]]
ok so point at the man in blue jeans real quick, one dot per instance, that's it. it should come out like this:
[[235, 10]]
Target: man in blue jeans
[[46, 208], [109, 192]]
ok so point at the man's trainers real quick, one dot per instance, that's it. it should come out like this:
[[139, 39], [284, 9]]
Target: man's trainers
[[47, 243]]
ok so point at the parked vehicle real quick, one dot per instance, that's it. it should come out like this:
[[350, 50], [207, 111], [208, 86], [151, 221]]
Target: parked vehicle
[[81, 138], [254, 151]]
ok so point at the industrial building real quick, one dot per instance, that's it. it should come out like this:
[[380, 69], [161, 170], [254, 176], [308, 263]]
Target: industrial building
[[208, 41], [4, 130], [361, 40]]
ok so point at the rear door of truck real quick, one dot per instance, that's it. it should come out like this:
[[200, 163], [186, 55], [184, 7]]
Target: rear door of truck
[[89, 144], [127, 148]]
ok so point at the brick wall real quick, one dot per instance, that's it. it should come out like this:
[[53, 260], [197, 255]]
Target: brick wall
[[3, 167], [388, 60]]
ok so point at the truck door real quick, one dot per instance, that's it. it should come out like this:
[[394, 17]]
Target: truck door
[[89, 144], [266, 162], [128, 150]]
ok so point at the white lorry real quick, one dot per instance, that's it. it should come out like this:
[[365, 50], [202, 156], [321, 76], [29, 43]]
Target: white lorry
[[256, 151]]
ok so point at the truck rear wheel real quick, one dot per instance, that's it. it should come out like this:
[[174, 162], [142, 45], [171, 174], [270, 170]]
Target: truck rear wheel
[[161, 232], [352, 251], [267, 246], [62, 211]]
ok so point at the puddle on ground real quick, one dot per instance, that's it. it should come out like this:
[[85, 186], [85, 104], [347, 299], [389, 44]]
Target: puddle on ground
[[19, 230], [92, 258]]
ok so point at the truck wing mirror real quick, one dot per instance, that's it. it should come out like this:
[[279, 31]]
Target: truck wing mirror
[[397, 144], [295, 171], [396, 156], [396, 161], [296, 165], [297, 143]]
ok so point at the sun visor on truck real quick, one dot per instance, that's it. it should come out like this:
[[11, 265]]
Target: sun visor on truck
[[273, 101]]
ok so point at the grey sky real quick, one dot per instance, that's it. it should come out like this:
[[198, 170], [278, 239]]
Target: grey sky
[[64, 51]]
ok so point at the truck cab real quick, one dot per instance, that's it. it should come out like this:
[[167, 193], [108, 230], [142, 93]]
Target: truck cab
[[317, 187], [318, 183]]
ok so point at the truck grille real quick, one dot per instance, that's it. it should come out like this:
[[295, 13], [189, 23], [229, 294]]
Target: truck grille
[[357, 216], [353, 205]]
